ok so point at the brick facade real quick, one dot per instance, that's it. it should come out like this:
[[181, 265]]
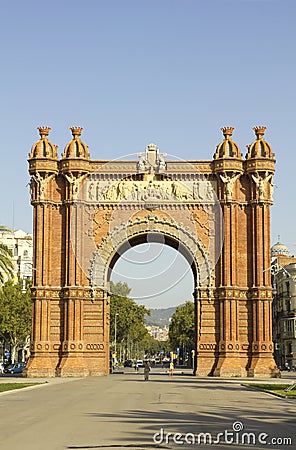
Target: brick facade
[[216, 212]]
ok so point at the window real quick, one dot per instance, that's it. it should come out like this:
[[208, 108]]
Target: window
[[289, 348], [290, 328], [288, 305]]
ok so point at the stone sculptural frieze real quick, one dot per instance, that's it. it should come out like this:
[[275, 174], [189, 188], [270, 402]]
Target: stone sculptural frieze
[[150, 190]]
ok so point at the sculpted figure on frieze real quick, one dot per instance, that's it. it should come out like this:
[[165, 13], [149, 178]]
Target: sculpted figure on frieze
[[153, 161], [41, 183], [74, 182], [150, 189], [229, 181], [261, 185]]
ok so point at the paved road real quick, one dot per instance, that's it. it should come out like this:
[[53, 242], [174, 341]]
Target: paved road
[[122, 410]]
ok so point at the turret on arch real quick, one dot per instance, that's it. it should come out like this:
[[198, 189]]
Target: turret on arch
[[88, 213]]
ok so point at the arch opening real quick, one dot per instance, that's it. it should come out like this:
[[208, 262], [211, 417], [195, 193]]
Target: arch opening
[[158, 240], [150, 229], [158, 274], [161, 278]]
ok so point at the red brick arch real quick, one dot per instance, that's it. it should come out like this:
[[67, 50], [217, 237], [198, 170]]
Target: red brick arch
[[87, 212]]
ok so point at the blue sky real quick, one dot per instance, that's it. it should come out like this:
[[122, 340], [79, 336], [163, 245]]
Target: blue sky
[[130, 72]]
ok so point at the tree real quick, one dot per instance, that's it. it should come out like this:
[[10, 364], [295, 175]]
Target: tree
[[15, 314], [6, 263], [129, 319], [120, 289], [152, 346], [182, 327]]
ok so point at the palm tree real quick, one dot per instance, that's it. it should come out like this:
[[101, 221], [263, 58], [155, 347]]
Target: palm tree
[[6, 263]]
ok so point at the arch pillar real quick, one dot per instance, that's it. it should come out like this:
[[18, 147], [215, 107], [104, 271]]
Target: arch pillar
[[85, 348], [206, 309]]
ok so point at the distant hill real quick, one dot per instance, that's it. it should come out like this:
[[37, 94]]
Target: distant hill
[[160, 317]]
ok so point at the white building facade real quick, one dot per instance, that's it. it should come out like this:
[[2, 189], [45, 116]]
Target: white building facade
[[284, 306], [21, 245]]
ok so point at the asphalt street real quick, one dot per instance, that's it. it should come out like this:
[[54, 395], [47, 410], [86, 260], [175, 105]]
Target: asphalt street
[[123, 410]]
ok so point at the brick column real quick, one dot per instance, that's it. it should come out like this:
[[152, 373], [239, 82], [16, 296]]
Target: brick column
[[261, 361]]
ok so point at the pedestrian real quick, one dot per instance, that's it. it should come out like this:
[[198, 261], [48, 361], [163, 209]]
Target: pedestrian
[[171, 369], [146, 370], [136, 367]]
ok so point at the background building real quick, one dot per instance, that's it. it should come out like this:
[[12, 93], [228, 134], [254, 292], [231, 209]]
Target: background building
[[160, 334], [284, 305], [21, 245]]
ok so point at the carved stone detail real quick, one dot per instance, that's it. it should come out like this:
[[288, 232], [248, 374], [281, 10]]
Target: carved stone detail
[[262, 180], [197, 253], [40, 182], [152, 161], [229, 181], [74, 183], [150, 190]]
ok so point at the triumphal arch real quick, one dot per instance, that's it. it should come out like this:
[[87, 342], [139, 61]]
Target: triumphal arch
[[87, 213]]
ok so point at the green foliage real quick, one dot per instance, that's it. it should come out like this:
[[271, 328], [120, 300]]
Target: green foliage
[[130, 324], [6, 264], [11, 386], [271, 387], [182, 329], [152, 346], [120, 289], [15, 313], [274, 388]]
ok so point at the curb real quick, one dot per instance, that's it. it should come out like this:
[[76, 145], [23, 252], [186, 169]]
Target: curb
[[275, 394]]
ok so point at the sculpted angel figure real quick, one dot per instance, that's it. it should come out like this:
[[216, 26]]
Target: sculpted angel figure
[[142, 163], [228, 185], [74, 183], [41, 183], [161, 161], [261, 183]]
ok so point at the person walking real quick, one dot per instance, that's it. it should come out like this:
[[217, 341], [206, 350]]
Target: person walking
[[146, 370]]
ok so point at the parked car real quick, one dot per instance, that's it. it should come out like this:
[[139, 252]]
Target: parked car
[[140, 363], [16, 368], [128, 363]]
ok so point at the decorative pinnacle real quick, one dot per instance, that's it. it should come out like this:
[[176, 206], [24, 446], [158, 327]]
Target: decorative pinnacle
[[227, 132], [44, 132], [76, 132], [259, 131]]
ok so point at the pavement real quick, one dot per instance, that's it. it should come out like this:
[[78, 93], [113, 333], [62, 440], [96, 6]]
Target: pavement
[[124, 411]]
